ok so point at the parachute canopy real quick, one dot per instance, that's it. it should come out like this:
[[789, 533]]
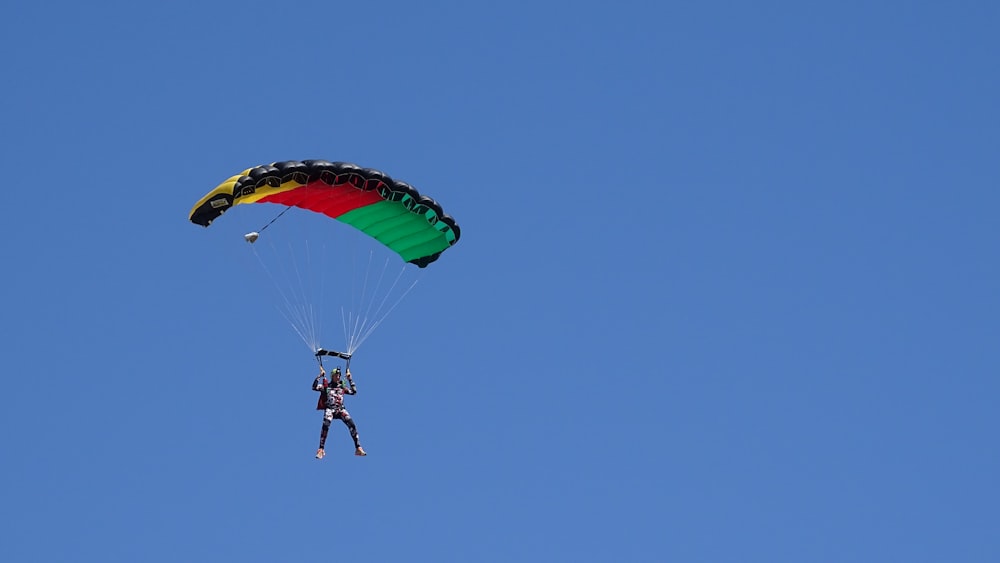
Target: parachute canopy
[[392, 212]]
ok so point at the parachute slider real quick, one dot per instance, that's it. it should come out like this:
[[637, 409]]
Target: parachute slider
[[251, 237], [341, 355]]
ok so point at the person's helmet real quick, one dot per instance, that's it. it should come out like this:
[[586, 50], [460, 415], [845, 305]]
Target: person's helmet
[[335, 370]]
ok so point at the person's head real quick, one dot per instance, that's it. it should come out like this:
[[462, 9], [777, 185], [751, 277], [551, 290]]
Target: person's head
[[335, 374]]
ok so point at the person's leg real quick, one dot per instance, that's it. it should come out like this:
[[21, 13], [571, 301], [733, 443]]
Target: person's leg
[[346, 417], [327, 417]]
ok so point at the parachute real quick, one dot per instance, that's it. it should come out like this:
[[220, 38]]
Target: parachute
[[393, 217], [392, 212]]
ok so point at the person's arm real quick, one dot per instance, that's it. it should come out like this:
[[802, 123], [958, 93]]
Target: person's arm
[[354, 388], [317, 385]]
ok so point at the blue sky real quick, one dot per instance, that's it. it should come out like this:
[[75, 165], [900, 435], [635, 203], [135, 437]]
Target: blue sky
[[726, 288]]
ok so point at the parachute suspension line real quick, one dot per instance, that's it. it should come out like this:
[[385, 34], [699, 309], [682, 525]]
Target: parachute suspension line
[[300, 280], [347, 316], [289, 310], [378, 321], [288, 306], [361, 321], [306, 310], [375, 292], [296, 309], [319, 294], [356, 309], [350, 320]]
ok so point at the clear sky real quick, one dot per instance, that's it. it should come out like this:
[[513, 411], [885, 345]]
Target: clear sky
[[726, 288]]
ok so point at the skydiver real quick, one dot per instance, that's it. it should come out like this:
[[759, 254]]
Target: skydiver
[[331, 401]]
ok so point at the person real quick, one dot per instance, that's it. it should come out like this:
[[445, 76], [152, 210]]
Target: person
[[331, 401]]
